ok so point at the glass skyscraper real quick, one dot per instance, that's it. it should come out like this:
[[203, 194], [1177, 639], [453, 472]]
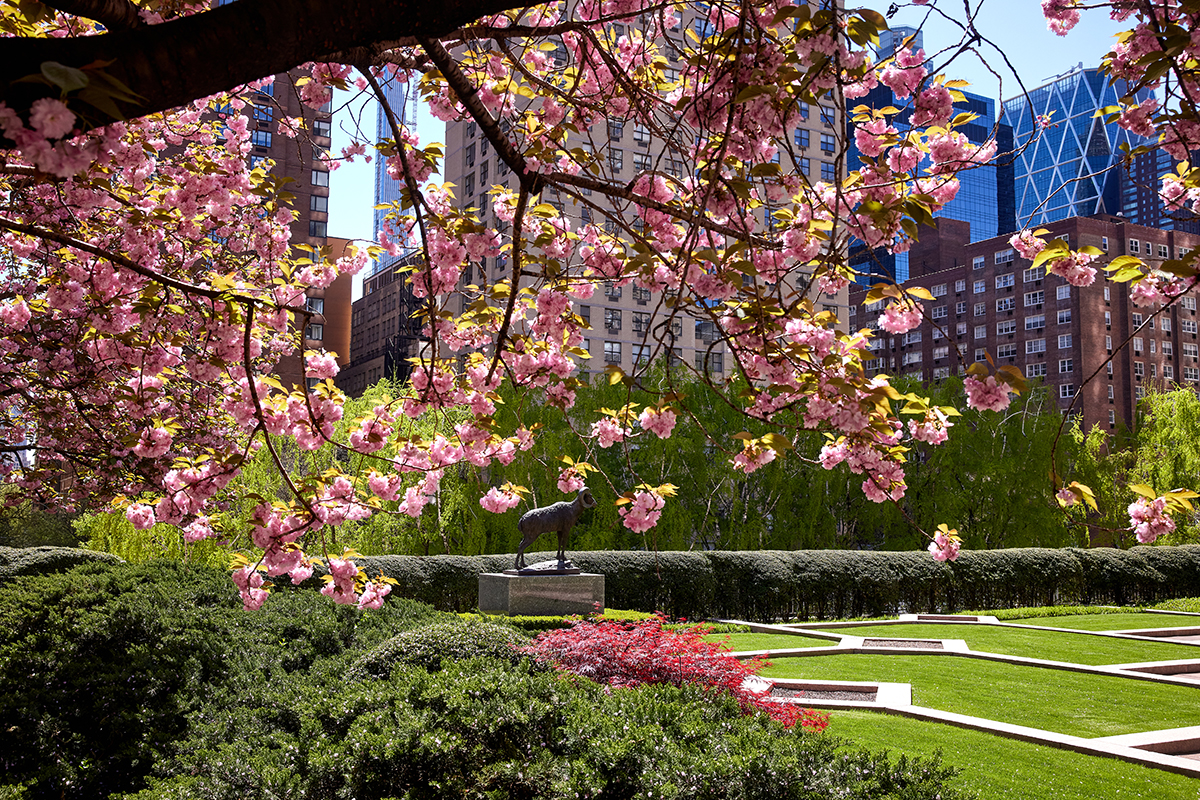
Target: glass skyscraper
[[387, 189], [985, 194], [1067, 156]]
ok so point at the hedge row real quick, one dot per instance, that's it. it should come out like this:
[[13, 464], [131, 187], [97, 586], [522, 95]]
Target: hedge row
[[823, 584]]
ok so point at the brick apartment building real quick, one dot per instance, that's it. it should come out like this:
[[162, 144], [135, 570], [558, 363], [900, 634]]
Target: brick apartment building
[[382, 334], [987, 300], [625, 330]]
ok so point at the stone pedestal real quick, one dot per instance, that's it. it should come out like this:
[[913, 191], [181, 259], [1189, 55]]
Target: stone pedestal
[[540, 595]]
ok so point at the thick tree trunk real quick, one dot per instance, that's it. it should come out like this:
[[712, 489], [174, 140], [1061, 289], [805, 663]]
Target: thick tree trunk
[[170, 65]]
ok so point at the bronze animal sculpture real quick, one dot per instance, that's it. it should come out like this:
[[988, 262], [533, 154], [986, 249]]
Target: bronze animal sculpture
[[560, 517]]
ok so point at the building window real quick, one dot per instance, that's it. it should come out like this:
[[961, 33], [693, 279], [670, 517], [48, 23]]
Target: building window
[[315, 304], [941, 352], [1035, 322], [1108, 343], [1004, 256], [1066, 391], [1139, 369], [961, 329], [1035, 346], [912, 337], [320, 177], [641, 354], [800, 137], [1168, 349], [828, 171], [980, 354], [939, 290], [960, 285], [260, 138], [322, 128], [1163, 251], [612, 291], [641, 322], [612, 319], [616, 159], [960, 307], [1006, 304], [1006, 351], [828, 145], [710, 362], [805, 166], [1064, 341], [1104, 243], [1032, 274], [315, 331], [980, 309], [1064, 316], [1004, 281], [1164, 324], [1191, 373], [1065, 365], [1109, 369], [1168, 372], [1112, 417], [1135, 246], [318, 202], [1063, 292], [939, 312], [642, 162], [1188, 303], [616, 129], [981, 331], [1035, 369], [1007, 327], [612, 352], [641, 134], [318, 228], [1034, 298], [978, 262]]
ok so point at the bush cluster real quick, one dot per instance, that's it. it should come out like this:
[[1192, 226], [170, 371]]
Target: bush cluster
[[40, 560], [766, 585], [150, 681]]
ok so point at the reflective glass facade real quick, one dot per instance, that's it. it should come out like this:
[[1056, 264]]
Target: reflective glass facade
[[387, 190], [1066, 168]]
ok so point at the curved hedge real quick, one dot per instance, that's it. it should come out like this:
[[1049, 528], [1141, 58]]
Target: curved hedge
[[45, 559], [822, 584]]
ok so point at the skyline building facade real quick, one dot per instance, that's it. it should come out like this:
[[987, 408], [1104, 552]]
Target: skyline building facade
[[985, 196], [1068, 157]]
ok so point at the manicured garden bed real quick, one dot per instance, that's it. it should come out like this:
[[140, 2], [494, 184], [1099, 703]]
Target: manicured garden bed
[[1114, 622], [1079, 704], [745, 642], [1076, 648], [999, 768]]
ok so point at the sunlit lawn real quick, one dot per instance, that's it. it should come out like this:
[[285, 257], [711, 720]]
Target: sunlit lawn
[[767, 641], [1077, 648], [1113, 622], [1078, 704], [1006, 769]]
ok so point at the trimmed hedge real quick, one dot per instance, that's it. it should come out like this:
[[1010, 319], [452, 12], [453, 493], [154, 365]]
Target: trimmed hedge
[[768, 585], [43, 560]]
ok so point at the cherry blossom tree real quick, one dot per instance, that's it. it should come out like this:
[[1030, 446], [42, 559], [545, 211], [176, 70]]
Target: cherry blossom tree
[[149, 286]]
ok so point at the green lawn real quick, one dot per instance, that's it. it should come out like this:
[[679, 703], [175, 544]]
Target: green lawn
[[1113, 622], [1051, 645], [767, 641], [1074, 703], [1005, 769]]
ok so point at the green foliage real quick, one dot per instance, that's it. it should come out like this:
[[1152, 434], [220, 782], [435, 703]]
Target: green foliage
[[538, 624], [426, 647], [487, 729], [1038, 612], [1188, 604], [16, 561], [26, 525], [110, 532], [832, 584], [101, 667]]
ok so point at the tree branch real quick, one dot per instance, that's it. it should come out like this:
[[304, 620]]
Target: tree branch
[[171, 64]]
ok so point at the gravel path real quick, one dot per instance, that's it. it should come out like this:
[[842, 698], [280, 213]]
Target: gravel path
[[913, 643]]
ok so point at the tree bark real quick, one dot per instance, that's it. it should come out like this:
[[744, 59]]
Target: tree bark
[[171, 64]]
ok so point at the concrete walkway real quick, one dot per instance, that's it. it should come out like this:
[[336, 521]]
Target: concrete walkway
[[1175, 750]]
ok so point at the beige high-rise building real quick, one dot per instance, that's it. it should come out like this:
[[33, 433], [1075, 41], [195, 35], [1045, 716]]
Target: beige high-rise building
[[629, 325]]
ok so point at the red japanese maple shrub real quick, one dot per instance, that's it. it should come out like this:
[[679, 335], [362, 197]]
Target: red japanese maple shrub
[[631, 654]]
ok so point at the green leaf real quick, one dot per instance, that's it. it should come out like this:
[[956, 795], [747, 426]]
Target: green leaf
[[66, 78]]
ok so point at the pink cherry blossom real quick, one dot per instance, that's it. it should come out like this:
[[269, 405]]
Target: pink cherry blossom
[[901, 317], [498, 501], [944, 548], [986, 395], [659, 422], [1149, 520], [643, 513]]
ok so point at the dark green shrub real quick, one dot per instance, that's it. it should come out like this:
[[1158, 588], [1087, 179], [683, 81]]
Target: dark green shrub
[[16, 561], [101, 667], [485, 729], [427, 646]]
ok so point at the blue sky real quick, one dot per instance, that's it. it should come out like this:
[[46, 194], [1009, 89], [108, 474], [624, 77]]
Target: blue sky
[[1015, 27]]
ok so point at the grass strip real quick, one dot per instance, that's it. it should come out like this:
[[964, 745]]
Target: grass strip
[[1113, 622], [1079, 704], [1006, 769], [742, 642], [1076, 648]]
